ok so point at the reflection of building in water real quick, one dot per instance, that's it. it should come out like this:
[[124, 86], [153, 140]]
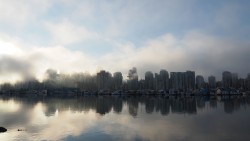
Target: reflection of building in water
[[150, 105], [231, 104], [103, 105], [117, 105], [200, 102], [228, 106], [213, 103], [133, 106], [163, 105], [187, 105]]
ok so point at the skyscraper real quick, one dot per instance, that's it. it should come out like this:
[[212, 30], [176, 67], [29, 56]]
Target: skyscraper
[[103, 80], [234, 80], [164, 79], [212, 82], [149, 80], [177, 80], [190, 80], [117, 79], [199, 82], [132, 79], [248, 81], [227, 79]]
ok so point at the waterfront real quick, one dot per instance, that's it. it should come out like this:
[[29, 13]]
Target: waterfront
[[126, 118]]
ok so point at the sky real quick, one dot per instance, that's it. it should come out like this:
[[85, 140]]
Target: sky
[[71, 36]]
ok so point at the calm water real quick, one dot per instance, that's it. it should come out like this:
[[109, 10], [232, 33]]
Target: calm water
[[122, 119]]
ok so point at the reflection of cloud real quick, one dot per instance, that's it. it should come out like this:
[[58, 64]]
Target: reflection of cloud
[[9, 106], [154, 127], [77, 124], [54, 127], [67, 122]]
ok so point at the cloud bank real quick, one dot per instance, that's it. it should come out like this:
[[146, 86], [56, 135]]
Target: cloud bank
[[205, 54]]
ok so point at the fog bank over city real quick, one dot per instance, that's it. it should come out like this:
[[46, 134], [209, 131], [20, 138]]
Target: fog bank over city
[[204, 54]]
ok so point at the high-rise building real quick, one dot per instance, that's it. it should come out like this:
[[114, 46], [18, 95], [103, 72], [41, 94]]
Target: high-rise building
[[177, 80], [190, 80], [182, 80], [158, 83], [199, 82], [227, 79], [212, 82], [132, 79], [248, 81], [141, 84], [103, 80], [242, 84], [162, 80], [117, 79], [149, 80], [234, 80]]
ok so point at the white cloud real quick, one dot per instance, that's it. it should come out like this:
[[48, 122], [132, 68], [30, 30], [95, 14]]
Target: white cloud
[[19, 12], [66, 32], [196, 51]]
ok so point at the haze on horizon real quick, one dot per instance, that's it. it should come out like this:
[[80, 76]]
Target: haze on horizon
[[87, 36]]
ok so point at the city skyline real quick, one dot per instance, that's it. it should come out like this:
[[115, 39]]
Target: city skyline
[[186, 81], [75, 36]]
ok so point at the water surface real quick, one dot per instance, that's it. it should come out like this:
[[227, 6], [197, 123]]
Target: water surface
[[126, 118]]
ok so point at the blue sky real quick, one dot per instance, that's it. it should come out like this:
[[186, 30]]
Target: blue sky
[[89, 35]]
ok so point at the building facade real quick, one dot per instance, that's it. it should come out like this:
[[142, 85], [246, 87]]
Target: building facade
[[212, 82]]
